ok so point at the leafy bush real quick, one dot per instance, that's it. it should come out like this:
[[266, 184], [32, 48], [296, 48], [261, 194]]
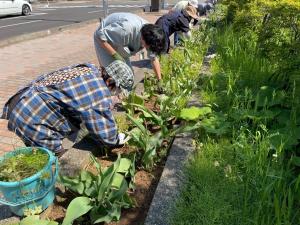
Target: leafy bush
[[102, 195]]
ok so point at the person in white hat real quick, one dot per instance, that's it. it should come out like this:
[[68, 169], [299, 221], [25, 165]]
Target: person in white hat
[[181, 5]]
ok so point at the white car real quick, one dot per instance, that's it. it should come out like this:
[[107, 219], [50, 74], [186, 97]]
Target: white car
[[15, 7]]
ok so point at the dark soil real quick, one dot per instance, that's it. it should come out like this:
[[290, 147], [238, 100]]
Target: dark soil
[[151, 104]]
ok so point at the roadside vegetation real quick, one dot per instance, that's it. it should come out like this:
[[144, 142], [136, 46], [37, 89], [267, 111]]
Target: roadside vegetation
[[246, 169], [152, 120], [246, 166]]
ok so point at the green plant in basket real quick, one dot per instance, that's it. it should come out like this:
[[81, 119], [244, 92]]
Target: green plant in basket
[[103, 195], [22, 165]]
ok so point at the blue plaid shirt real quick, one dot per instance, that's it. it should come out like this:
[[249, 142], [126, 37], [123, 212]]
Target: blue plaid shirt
[[44, 113]]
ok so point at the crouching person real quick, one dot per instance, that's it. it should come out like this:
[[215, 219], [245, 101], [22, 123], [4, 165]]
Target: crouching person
[[48, 109]]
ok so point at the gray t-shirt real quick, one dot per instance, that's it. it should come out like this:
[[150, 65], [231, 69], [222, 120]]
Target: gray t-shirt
[[123, 32]]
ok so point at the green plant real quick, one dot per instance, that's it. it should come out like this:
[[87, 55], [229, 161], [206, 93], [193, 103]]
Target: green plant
[[148, 142], [166, 105], [143, 139], [35, 220], [122, 122], [103, 195], [22, 165], [133, 98]]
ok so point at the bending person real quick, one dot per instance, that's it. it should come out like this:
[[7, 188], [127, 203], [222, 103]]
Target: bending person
[[122, 35], [181, 5], [177, 22], [51, 107]]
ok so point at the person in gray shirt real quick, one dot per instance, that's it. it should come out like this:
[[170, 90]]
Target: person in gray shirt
[[121, 35]]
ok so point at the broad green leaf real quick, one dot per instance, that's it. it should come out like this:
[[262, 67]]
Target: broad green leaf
[[99, 214], [86, 176], [155, 140], [137, 99], [284, 117], [138, 138], [138, 124], [148, 158], [72, 183], [107, 179], [216, 124], [194, 113], [124, 165], [268, 96], [117, 180], [78, 207], [111, 214], [150, 114], [185, 128], [35, 220], [288, 136], [116, 195]]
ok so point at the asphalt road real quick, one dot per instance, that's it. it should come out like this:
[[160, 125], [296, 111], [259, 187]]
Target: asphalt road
[[45, 17]]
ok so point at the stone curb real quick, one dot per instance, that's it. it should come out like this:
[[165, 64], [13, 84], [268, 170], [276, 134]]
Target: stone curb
[[170, 182]]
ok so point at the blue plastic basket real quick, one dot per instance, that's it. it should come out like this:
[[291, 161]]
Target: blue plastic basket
[[29, 193]]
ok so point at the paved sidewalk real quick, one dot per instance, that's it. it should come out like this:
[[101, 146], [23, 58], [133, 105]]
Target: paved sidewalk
[[24, 61]]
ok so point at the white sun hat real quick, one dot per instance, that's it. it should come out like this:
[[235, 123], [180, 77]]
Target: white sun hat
[[193, 3]]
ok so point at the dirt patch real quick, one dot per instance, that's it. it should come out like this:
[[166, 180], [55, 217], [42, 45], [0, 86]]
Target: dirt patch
[[146, 183], [152, 104], [145, 188]]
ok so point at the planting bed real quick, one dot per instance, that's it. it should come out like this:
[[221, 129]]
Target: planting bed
[[145, 182]]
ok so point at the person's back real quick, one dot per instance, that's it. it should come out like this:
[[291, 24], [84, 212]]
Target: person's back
[[122, 30], [46, 110], [172, 22], [130, 18]]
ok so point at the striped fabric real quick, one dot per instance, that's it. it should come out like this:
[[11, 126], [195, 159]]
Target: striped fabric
[[55, 102]]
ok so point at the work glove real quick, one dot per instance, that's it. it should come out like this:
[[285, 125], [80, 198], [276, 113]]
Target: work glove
[[117, 56], [122, 139]]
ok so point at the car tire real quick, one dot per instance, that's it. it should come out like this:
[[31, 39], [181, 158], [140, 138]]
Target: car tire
[[26, 10]]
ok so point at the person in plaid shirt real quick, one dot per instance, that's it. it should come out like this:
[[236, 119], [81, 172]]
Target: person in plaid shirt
[[47, 110]]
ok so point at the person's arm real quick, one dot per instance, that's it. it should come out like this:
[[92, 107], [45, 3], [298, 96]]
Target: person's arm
[[156, 67], [183, 24], [107, 47], [101, 125]]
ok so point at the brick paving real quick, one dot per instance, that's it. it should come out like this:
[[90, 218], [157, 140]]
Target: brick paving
[[24, 61]]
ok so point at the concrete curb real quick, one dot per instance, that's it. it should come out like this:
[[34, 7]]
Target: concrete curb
[[170, 182], [38, 34]]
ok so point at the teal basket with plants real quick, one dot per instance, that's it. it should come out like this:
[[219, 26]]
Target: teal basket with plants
[[27, 180]]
